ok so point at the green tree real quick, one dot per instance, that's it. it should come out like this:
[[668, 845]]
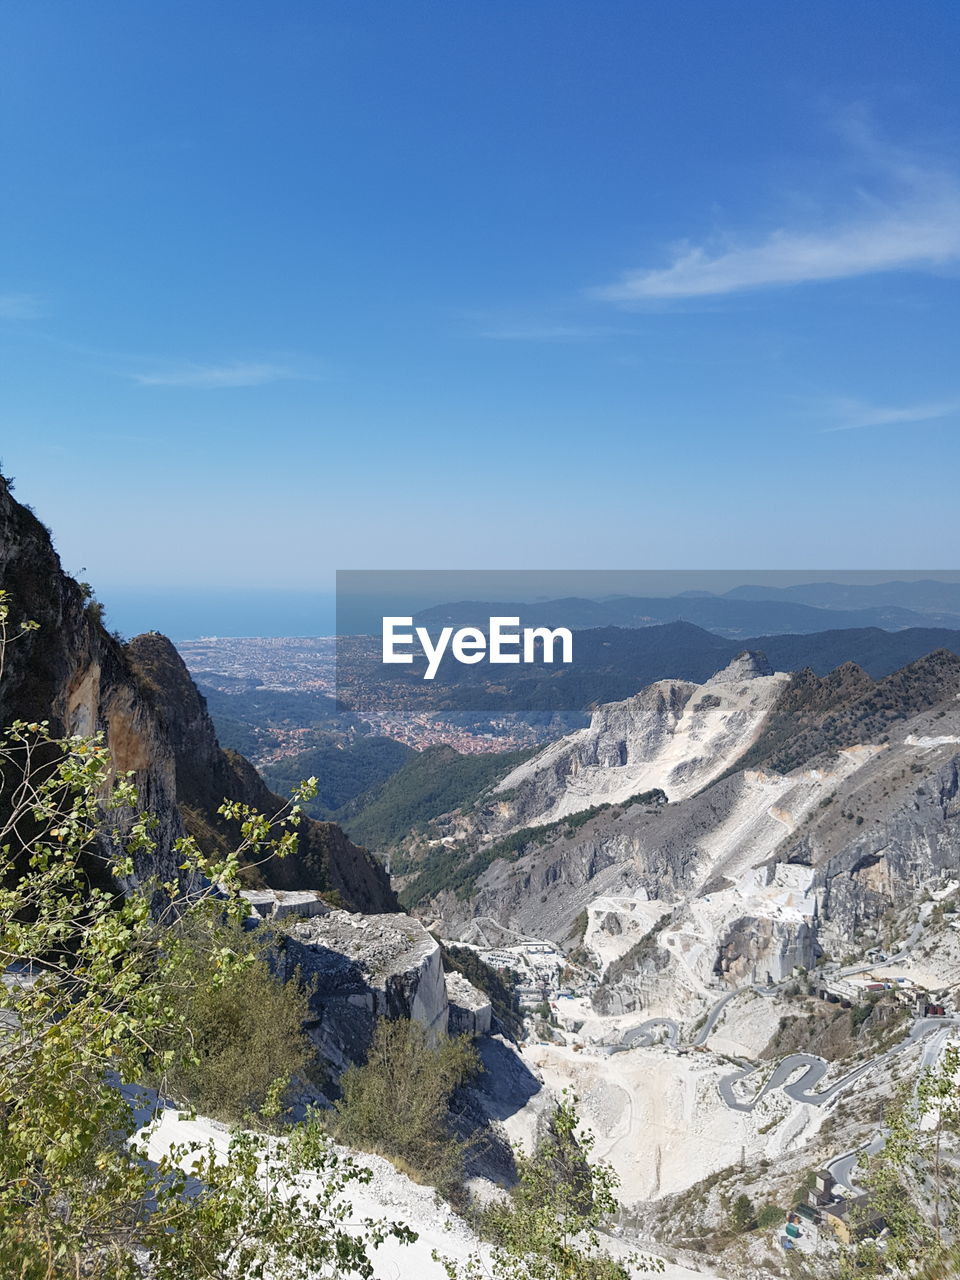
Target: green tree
[[91, 987], [396, 1103], [549, 1227], [742, 1216], [912, 1185], [244, 1042]]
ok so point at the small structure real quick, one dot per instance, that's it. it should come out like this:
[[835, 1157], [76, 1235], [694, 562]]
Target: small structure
[[808, 1212], [821, 1193], [851, 1218]]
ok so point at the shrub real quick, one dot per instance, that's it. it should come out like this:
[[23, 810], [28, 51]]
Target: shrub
[[742, 1216], [396, 1104], [769, 1216], [245, 1040], [550, 1225]]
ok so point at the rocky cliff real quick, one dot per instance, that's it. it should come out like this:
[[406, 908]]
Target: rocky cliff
[[206, 775], [890, 835], [358, 968], [817, 716], [73, 673], [765, 950]]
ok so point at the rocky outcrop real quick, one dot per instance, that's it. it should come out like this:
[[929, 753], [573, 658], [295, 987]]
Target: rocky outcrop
[[73, 674], [358, 968], [471, 1013], [83, 680], [634, 981], [206, 775], [281, 904], [887, 840], [760, 872], [765, 950], [816, 716], [748, 665]]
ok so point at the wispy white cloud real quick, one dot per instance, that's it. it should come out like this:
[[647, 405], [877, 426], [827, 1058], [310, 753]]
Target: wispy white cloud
[[919, 237], [211, 376], [151, 369], [906, 218], [851, 415], [21, 306]]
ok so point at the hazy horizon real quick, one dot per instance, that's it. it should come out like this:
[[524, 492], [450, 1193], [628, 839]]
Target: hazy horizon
[[191, 613]]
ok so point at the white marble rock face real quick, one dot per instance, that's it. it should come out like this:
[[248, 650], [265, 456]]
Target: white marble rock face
[[470, 1010], [364, 967]]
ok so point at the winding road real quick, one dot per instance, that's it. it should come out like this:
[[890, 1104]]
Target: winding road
[[815, 1068], [843, 1169], [706, 1031], [799, 1074], [645, 1035], [812, 1069]]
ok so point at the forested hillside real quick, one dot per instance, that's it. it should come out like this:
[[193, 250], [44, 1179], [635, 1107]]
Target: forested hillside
[[430, 783], [343, 771]]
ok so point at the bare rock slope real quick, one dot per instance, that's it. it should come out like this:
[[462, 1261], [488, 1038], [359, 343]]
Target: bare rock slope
[[674, 736], [747, 873]]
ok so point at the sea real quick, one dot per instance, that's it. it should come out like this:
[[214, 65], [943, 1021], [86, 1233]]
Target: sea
[[190, 613]]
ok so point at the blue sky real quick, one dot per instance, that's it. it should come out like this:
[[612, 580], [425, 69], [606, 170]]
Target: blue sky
[[294, 286]]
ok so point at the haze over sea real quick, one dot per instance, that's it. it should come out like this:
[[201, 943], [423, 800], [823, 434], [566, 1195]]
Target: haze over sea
[[186, 613]]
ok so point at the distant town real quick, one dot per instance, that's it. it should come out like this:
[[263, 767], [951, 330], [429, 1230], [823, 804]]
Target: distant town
[[338, 669]]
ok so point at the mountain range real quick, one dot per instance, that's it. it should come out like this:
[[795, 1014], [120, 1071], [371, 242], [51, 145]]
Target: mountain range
[[611, 663], [744, 611], [741, 875], [681, 740]]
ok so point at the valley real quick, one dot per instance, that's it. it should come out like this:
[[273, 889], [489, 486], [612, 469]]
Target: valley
[[664, 948]]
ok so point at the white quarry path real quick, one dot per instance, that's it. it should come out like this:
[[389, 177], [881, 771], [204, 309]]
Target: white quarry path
[[799, 1088], [390, 1196], [797, 1076], [768, 807], [664, 1120], [658, 1115]]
